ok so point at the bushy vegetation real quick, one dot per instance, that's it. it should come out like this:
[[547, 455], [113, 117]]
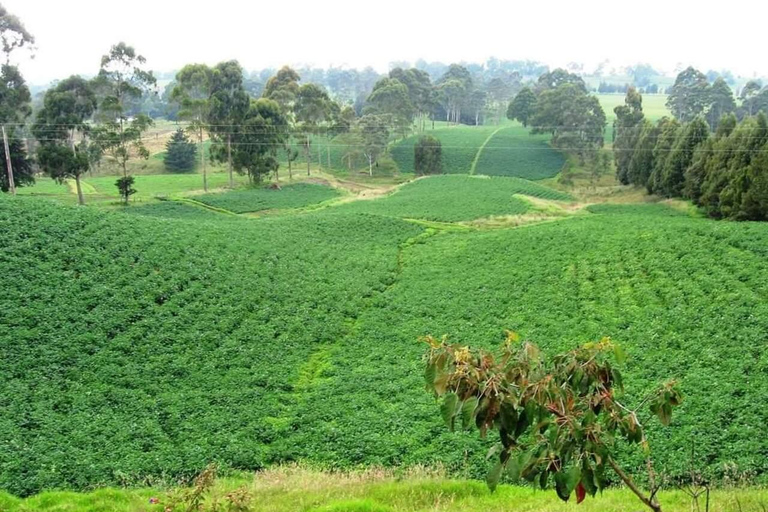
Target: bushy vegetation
[[255, 199], [684, 297], [513, 151], [132, 349], [455, 198]]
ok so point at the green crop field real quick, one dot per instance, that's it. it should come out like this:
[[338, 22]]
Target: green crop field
[[460, 145], [257, 199], [138, 347], [177, 210], [454, 198], [506, 150], [513, 151]]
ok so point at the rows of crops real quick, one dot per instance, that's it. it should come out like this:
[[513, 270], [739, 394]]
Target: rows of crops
[[178, 210], [685, 297], [460, 145], [513, 151], [454, 198], [135, 346], [255, 199]]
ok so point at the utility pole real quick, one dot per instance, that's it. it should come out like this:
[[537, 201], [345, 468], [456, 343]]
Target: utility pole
[[9, 167]]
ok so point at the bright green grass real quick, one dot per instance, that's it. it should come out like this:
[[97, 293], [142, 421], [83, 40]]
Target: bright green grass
[[451, 198], [460, 145], [263, 198], [513, 151], [306, 491], [149, 186]]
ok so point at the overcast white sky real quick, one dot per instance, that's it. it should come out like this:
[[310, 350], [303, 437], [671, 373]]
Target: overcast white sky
[[73, 34]]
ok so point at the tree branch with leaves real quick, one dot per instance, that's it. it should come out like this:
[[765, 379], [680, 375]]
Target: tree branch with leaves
[[558, 419]]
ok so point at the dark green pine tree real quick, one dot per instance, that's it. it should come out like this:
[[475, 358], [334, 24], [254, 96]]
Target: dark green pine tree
[[180, 153], [688, 139], [428, 156], [21, 165]]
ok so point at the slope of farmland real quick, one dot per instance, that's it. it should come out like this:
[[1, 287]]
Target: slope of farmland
[[455, 198], [685, 297], [135, 347], [460, 145], [513, 151], [256, 199]]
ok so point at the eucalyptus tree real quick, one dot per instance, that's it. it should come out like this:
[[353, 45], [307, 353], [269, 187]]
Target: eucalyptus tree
[[628, 128], [14, 103], [13, 34], [256, 141], [67, 108], [193, 93], [311, 110], [121, 78], [689, 95], [373, 135], [229, 103], [390, 98]]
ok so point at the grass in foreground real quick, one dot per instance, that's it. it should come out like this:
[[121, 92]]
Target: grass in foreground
[[293, 489]]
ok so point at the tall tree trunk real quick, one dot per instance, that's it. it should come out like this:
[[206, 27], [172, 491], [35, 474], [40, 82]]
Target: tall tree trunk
[[308, 152], [328, 153], [370, 166], [319, 157], [202, 162], [229, 161], [8, 165], [80, 197], [290, 172]]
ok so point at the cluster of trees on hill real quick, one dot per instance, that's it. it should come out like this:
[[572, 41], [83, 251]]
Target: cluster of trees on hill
[[560, 104], [705, 154]]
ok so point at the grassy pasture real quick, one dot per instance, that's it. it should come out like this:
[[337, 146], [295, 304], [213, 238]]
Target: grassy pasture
[[302, 490], [451, 198]]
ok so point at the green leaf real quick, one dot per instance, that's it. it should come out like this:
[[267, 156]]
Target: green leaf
[[572, 477], [513, 469], [429, 376], [561, 486], [448, 409], [494, 475], [468, 412], [543, 479]]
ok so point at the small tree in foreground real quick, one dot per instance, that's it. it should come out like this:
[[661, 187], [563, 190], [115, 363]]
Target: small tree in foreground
[[557, 418], [125, 187]]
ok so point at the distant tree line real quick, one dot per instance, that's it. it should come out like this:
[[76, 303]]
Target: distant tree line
[[712, 152]]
